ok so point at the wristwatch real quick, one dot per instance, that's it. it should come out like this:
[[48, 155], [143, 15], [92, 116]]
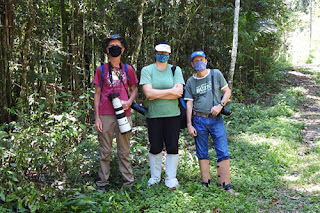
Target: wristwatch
[[222, 103]]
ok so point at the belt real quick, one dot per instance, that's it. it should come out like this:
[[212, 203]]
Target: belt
[[204, 115]]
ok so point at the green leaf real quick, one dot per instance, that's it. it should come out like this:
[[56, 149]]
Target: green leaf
[[2, 196], [3, 134], [13, 178], [74, 207], [82, 126]]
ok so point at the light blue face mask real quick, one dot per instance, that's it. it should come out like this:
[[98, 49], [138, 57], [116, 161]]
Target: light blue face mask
[[200, 66], [162, 57]]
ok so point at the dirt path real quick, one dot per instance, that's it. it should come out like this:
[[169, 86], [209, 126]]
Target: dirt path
[[310, 110]]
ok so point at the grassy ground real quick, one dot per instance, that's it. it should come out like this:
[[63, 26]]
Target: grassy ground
[[267, 167], [273, 167]]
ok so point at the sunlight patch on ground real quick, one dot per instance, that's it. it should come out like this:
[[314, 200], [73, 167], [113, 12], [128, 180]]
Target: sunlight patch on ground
[[257, 139], [290, 178], [311, 188], [296, 73], [313, 97], [299, 90], [273, 143]]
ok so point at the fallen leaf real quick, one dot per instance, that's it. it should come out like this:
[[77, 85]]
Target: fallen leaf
[[294, 198], [214, 210], [91, 188], [274, 201]]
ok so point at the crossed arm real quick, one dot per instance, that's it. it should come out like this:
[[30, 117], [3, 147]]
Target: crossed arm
[[168, 94]]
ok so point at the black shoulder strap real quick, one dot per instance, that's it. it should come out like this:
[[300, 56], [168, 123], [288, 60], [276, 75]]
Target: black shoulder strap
[[173, 68], [212, 80]]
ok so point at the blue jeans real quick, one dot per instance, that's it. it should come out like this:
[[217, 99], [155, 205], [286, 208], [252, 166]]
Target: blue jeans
[[214, 127]]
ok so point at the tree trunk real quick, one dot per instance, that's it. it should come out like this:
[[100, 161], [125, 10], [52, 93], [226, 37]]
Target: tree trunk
[[310, 25], [83, 54], [235, 43], [135, 54], [25, 49], [72, 45], [6, 43], [64, 68]]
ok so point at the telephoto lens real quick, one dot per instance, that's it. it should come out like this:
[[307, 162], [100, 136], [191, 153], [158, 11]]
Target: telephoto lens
[[139, 108], [122, 119], [225, 111]]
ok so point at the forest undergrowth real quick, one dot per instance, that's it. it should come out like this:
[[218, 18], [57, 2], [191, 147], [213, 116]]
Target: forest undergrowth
[[50, 160]]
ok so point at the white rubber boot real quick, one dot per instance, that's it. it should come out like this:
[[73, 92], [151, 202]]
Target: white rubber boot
[[171, 171], [155, 167]]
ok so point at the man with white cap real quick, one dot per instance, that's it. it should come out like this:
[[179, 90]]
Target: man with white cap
[[163, 87], [203, 95]]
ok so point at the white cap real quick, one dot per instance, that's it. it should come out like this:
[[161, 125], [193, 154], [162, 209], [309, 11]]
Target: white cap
[[163, 47]]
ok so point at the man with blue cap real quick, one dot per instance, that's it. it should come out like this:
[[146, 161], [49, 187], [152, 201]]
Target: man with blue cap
[[203, 95]]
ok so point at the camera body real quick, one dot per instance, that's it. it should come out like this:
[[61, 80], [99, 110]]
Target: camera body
[[122, 119]]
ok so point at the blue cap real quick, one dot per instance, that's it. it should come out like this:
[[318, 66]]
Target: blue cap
[[198, 53], [115, 37]]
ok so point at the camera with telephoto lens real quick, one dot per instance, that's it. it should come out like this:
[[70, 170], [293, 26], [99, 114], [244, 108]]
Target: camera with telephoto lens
[[122, 119], [225, 111], [139, 108]]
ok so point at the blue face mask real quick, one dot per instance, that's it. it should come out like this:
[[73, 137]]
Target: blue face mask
[[162, 57], [200, 66]]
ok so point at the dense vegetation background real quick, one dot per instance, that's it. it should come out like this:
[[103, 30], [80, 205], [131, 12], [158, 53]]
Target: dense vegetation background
[[48, 146]]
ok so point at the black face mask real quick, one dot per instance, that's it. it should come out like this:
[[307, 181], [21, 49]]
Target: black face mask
[[115, 51]]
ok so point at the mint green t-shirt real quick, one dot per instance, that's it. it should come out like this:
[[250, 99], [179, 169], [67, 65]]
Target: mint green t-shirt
[[161, 79]]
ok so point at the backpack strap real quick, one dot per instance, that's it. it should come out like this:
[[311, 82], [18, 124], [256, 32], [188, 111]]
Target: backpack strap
[[181, 99], [126, 70], [212, 80], [173, 69], [102, 75]]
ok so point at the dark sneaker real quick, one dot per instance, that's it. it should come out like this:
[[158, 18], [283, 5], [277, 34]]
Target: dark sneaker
[[206, 184]]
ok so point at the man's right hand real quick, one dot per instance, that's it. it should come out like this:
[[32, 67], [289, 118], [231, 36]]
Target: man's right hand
[[176, 90], [192, 131], [98, 124]]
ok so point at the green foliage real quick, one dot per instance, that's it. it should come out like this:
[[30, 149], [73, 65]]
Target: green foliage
[[45, 148], [49, 155], [186, 25], [50, 163]]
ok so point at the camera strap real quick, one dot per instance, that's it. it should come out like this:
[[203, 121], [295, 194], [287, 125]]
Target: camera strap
[[119, 76]]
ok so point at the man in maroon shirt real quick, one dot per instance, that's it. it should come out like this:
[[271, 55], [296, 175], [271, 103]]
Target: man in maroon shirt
[[115, 80]]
